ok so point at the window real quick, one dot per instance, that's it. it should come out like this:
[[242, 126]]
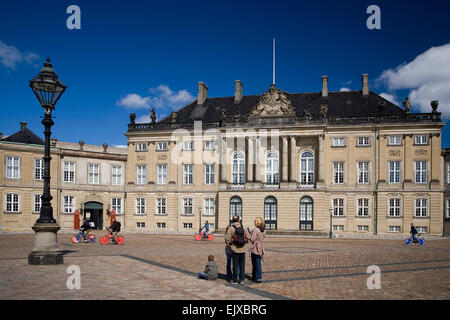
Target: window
[[12, 202], [448, 172], [38, 169], [161, 225], [307, 168], [94, 173], [161, 206], [210, 145], [238, 169], [141, 175], [363, 228], [37, 203], [188, 145], [363, 172], [363, 207], [116, 177], [68, 204], [141, 147], [187, 174], [363, 142], [394, 140], [187, 206], [421, 229], [140, 224], [187, 225], [140, 205], [209, 207], [272, 175], [69, 171], [394, 207], [161, 172], [116, 205], [209, 174], [338, 207], [448, 208], [12, 167], [421, 171], [394, 171], [338, 172], [420, 140], [235, 208], [421, 207], [338, 142], [161, 146], [338, 228], [394, 228]]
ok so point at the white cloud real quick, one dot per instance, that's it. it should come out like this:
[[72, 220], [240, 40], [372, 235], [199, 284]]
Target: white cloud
[[390, 97], [134, 101], [120, 146], [143, 119], [427, 77], [344, 89], [10, 56]]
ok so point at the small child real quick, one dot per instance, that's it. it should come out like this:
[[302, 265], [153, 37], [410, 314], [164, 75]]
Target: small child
[[211, 271]]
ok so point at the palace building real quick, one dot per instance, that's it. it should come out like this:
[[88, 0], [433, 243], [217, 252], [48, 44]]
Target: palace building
[[308, 163]]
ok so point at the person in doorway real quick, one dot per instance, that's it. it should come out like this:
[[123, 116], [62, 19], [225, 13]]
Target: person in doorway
[[237, 237], [114, 229], [257, 249]]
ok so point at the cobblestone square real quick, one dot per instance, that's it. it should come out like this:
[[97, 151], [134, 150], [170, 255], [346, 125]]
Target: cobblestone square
[[164, 267]]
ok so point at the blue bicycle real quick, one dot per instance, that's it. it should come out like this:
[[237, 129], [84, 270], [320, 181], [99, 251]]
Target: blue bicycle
[[81, 236], [417, 240]]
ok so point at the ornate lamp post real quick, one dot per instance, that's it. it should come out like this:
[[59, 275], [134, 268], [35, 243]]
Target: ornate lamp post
[[199, 217], [331, 222], [48, 89]]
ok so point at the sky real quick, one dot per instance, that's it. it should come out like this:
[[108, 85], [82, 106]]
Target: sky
[[131, 56]]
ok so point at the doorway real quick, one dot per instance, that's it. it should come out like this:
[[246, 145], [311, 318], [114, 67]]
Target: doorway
[[306, 213], [94, 211]]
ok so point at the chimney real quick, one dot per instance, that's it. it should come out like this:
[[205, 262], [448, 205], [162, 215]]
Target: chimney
[[324, 86], [365, 84], [238, 91], [202, 93], [23, 125]]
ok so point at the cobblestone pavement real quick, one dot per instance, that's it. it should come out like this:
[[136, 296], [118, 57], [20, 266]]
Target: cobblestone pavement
[[165, 267]]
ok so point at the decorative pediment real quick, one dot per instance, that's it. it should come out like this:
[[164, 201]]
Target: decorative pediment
[[273, 104]]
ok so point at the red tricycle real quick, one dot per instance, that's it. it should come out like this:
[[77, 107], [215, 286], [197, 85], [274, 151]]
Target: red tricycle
[[202, 236], [109, 237]]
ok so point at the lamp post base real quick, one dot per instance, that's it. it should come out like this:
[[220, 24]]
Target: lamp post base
[[45, 250]]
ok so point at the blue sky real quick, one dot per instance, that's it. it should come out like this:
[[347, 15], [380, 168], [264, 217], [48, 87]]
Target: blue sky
[[132, 55]]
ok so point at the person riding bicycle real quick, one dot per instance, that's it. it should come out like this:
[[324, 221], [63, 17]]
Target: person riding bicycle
[[206, 227], [414, 233], [114, 229], [86, 228]]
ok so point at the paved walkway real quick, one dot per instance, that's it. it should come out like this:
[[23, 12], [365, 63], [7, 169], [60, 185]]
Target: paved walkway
[[164, 267]]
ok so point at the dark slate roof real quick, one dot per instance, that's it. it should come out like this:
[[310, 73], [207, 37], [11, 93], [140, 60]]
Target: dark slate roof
[[347, 104], [24, 136]]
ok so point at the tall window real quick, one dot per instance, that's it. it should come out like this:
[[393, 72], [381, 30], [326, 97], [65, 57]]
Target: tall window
[[161, 172], [187, 206], [272, 167], [421, 207], [141, 175], [238, 169], [94, 173], [363, 172], [448, 208], [12, 167], [116, 178], [421, 171], [394, 171], [394, 207], [187, 174], [209, 174], [69, 171], [270, 213], [338, 207], [116, 205], [363, 207], [235, 208], [140, 205], [307, 168], [37, 203], [338, 172], [38, 169], [209, 206], [68, 204], [12, 202], [448, 172], [161, 206]]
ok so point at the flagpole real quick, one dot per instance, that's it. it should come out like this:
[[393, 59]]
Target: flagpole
[[273, 77]]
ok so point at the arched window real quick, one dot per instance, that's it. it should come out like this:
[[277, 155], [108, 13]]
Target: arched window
[[235, 208], [306, 213], [238, 169], [272, 168], [307, 168], [270, 213]]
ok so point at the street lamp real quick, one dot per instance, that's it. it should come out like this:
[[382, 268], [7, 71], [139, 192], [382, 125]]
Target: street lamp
[[331, 222], [200, 217], [48, 89]]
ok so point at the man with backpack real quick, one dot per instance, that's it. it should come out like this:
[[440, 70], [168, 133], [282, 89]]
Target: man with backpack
[[237, 237]]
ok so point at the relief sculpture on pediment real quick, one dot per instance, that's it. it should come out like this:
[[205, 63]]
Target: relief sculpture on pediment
[[273, 104]]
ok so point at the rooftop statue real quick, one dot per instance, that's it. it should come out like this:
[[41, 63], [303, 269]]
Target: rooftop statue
[[273, 104]]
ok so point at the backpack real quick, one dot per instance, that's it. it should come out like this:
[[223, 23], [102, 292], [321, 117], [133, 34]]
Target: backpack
[[239, 236]]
